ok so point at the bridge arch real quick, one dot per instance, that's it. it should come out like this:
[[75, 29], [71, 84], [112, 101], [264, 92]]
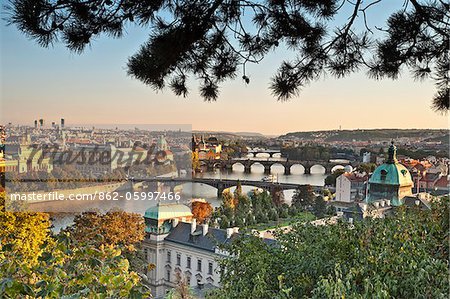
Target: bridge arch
[[282, 168], [297, 168], [237, 166], [318, 168], [262, 155], [257, 164], [336, 167]]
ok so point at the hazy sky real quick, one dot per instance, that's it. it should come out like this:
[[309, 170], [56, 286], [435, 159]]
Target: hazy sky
[[93, 88]]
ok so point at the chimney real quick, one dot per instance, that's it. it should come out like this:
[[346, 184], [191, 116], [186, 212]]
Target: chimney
[[193, 225], [175, 222], [417, 202], [388, 202], [229, 232], [205, 228]]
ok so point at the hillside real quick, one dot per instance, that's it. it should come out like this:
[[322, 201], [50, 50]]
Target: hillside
[[370, 135]]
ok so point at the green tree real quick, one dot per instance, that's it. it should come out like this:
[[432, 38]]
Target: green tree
[[303, 197], [277, 196], [24, 232], [71, 270], [224, 222], [330, 180], [367, 167], [214, 40], [402, 256], [273, 215], [238, 190], [36, 264], [319, 207]]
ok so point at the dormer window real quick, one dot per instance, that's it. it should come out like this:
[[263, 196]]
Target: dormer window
[[404, 172], [383, 175]]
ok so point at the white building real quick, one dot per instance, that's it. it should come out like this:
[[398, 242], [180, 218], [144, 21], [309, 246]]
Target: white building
[[178, 247], [350, 187]]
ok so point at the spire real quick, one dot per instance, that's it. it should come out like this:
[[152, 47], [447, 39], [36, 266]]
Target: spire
[[392, 153]]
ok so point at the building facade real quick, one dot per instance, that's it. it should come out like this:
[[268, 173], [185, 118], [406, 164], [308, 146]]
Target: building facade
[[179, 248]]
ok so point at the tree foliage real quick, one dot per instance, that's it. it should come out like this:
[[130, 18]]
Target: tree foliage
[[214, 40], [366, 167], [303, 197], [69, 269], [112, 228], [403, 256], [36, 264], [24, 232], [319, 207], [330, 180], [201, 211]]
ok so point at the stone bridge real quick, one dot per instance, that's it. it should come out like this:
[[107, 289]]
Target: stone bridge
[[286, 163], [271, 152], [222, 184]]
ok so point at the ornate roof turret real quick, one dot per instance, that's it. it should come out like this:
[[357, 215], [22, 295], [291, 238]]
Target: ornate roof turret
[[392, 159], [391, 180]]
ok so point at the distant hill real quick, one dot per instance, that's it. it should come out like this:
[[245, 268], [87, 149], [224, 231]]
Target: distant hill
[[443, 138], [230, 134], [369, 135]]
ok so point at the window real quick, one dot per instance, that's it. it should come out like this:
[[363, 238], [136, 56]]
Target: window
[[168, 275], [188, 262], [210, 268], [199, 265], [383, 174], [178, 259], [146, 254], [169, 258]]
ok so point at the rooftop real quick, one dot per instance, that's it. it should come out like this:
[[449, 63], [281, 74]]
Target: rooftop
[[168, 211]]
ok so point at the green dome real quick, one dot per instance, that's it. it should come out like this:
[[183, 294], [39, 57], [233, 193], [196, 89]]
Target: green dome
[[167, 211], [390, 180], [391, 174]]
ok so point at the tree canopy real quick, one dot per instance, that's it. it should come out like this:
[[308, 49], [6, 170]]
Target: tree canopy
[[34, 263], [201, 211], [403, 256], [214, 40]]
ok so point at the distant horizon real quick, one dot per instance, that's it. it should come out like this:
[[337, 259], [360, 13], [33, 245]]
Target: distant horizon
[[194, 130]]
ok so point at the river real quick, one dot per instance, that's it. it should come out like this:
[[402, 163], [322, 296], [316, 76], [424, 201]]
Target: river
[[197, 190]]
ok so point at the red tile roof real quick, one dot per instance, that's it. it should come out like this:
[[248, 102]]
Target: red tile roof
[[442, 182]]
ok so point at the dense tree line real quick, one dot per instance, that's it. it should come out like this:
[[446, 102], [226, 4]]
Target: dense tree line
[[315, 153], [259, 208], [403, 256]]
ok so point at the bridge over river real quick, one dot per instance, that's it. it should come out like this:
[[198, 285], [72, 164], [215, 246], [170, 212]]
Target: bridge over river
[[221, 184], [329, 165]]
